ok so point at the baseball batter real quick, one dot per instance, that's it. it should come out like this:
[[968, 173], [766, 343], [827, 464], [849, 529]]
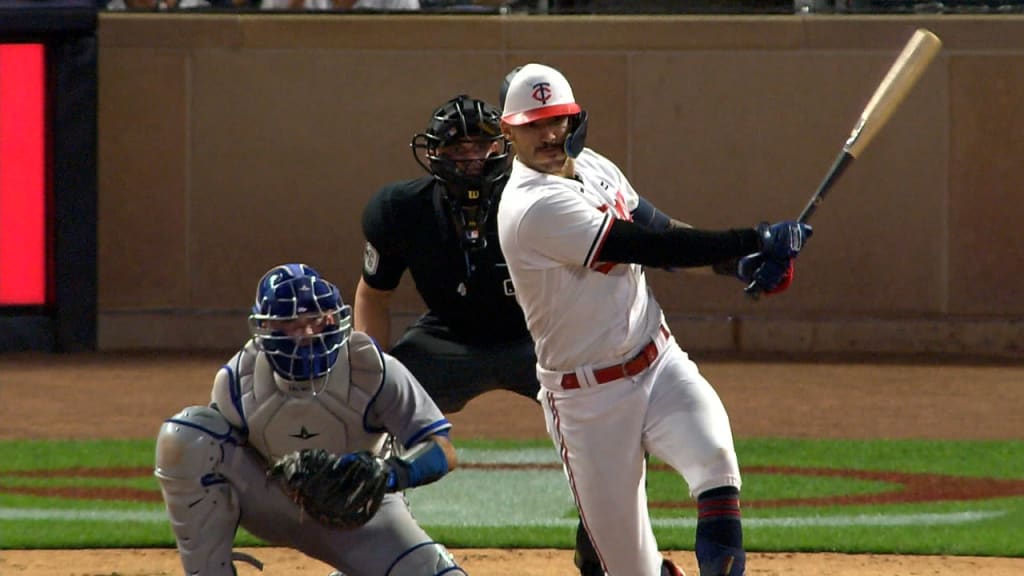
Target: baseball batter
[[304, 381], [615, 384]]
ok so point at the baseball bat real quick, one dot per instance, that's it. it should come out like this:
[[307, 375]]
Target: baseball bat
[[904, 73]]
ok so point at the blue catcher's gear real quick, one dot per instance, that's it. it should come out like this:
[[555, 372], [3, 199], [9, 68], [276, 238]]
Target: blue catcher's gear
[[299, 321]]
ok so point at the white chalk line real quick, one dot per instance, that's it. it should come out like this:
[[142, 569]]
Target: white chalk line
[[923, 519]]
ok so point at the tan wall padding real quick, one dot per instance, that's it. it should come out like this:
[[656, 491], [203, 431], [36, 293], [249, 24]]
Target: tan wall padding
[[231, 143]]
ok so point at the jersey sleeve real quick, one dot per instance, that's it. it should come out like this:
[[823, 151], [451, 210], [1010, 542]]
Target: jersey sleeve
[[226, 396], [383, 263], [630, 194], [564, 228], [403, 407]]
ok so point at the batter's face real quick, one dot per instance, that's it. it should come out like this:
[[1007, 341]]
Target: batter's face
[[541, 144]]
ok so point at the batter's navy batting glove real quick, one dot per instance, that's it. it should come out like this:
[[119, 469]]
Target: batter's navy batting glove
[[783, 240], [764, 276]]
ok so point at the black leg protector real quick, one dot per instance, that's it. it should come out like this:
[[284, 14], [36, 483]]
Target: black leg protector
[[719, 544], [586, 557]]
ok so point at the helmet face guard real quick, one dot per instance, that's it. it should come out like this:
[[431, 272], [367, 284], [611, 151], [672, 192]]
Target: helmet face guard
[[463, 149], [299, 322]]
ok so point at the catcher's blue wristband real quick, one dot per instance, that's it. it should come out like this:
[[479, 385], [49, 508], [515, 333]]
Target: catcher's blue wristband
[[424, 464]]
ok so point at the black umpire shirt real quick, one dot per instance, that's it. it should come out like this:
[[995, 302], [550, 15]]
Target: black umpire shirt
[[468, 291]]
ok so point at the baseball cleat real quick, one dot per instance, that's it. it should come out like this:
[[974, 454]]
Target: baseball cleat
[[588, 568], [668, 568]]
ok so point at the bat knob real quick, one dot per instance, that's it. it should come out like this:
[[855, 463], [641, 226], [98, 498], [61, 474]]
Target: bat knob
[[753, 291]]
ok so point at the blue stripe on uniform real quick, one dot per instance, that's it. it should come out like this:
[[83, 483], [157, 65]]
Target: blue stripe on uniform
[[236, 391], [435, 428], [380, 386]]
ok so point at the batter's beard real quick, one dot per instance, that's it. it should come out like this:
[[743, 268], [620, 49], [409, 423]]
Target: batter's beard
[[551, 164]]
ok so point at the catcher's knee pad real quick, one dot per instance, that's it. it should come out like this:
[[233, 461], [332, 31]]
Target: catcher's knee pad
[[427, 559], [201, 504]]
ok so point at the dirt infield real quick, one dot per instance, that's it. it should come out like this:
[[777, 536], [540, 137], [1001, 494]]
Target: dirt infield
[[544, 562], [127, 396]]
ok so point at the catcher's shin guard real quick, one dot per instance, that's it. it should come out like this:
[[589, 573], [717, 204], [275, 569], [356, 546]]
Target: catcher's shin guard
[[426, 559], [201, 505]]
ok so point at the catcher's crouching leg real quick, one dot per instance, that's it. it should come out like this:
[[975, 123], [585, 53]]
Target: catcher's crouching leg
[[427, 559], [201, 504]]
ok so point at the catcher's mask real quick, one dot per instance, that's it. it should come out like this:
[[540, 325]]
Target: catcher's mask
[[299, 322], [464, 150]]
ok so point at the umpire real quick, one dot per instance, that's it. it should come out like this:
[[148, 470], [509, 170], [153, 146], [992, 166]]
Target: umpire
[[443, 229]]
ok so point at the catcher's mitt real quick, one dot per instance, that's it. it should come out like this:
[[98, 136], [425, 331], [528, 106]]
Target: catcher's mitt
[[342, 491]]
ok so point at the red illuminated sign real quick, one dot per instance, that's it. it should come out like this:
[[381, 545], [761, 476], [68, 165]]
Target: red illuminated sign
[[23, 270]]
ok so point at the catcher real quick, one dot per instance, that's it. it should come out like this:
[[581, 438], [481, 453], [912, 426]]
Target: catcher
[[311, 436]]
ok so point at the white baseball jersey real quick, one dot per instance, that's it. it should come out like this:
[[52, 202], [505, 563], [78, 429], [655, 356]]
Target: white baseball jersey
[[551, 229], [616, 386]]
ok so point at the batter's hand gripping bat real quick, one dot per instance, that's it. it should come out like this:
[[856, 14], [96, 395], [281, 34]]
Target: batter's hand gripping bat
[[917, 54]]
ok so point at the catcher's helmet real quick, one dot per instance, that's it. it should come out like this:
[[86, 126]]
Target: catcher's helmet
[[299, 321], [535, 92]]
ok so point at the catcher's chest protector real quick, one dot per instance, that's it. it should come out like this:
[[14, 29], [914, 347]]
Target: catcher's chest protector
[[282, 421]]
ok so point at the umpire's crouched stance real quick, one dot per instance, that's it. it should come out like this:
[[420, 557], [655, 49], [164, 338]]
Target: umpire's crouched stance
[[306, 413]]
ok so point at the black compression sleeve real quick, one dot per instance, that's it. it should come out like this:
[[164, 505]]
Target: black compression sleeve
[[675, 247]]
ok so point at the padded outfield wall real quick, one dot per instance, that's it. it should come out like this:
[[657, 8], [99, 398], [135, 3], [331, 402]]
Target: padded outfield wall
[[230, 143]]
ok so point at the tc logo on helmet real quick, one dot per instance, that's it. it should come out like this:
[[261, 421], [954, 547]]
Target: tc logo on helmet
[[542, 92]]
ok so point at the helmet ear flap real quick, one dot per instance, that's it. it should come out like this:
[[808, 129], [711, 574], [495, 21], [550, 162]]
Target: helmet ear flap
[[577, 137]]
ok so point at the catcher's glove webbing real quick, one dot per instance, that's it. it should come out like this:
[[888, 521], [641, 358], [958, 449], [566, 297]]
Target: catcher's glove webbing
[[342, 491]]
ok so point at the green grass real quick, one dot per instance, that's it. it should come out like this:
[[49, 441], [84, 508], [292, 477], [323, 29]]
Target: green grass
[[538, 507]]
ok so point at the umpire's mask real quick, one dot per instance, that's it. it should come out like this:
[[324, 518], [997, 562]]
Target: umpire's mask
[[464, 150]]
